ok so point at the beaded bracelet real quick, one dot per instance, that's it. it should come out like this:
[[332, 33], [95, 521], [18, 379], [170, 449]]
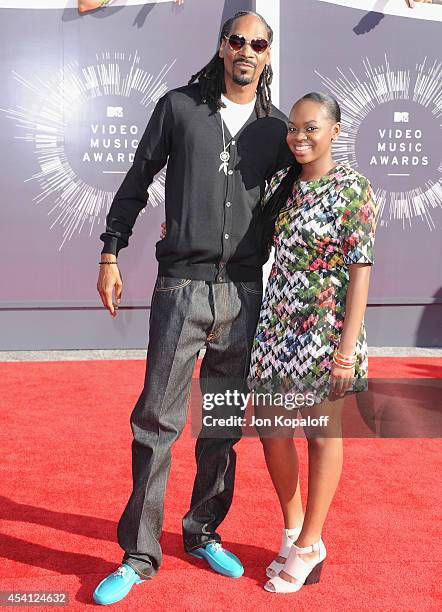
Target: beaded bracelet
[[105, 263]]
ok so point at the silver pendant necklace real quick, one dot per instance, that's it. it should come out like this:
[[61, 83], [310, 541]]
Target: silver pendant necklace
[[224, 155]]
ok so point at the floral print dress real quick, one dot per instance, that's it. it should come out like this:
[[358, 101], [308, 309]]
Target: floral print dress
[[326, 225]]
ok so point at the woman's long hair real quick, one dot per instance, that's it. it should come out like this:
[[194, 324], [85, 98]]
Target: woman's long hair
[[211, 77], [270, 211]]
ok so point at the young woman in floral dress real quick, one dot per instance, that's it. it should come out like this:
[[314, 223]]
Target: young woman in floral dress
[[311, 335]]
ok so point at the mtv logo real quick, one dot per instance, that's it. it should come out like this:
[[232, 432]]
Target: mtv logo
[[114, 111], [401, 117]]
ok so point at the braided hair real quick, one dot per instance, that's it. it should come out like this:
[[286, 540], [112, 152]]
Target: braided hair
[[211, 77], [268, 215]]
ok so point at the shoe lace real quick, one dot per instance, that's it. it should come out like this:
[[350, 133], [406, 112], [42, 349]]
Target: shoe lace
[[121, 571]]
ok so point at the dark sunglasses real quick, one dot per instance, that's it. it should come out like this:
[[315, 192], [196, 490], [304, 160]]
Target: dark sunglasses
[[236, 42]]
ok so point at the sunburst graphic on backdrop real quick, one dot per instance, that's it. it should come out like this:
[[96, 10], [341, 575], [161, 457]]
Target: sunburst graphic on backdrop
[[76, 204], [377, 93]]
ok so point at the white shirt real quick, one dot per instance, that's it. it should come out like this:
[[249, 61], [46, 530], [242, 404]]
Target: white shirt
[[235, 115]]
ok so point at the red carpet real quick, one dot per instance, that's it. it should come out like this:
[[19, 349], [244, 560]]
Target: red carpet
[[65, 477]]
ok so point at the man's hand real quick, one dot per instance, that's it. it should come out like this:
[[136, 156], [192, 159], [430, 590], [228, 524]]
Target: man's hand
[[110, 282]]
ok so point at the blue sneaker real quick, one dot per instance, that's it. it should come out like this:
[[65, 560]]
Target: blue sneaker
[[220, 560], [116, 586]]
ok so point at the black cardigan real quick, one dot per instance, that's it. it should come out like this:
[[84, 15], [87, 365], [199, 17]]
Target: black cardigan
[[209, 214]]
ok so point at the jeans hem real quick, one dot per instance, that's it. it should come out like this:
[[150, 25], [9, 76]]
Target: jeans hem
[[189, 549], [140, 573]]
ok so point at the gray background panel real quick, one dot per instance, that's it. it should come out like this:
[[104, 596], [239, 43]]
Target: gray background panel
[[47, 297]]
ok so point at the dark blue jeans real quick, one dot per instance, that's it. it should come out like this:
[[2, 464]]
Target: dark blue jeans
[[185, 316]]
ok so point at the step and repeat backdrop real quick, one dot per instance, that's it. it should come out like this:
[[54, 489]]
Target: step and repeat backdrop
[[78, 90]]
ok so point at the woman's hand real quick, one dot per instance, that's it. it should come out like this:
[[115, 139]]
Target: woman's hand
[[341, 380], [163, 231]]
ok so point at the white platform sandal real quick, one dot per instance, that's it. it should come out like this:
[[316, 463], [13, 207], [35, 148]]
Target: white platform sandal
[[288, 538], [305, 572]]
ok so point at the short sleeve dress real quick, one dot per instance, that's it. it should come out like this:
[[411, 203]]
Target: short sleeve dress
[[326, 225]]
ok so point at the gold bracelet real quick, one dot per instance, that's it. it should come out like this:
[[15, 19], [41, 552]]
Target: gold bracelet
[[346, 357], [344, 367], [343, 363]]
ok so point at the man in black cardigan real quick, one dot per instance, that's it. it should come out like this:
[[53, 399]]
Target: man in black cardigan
[[222, 140]]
